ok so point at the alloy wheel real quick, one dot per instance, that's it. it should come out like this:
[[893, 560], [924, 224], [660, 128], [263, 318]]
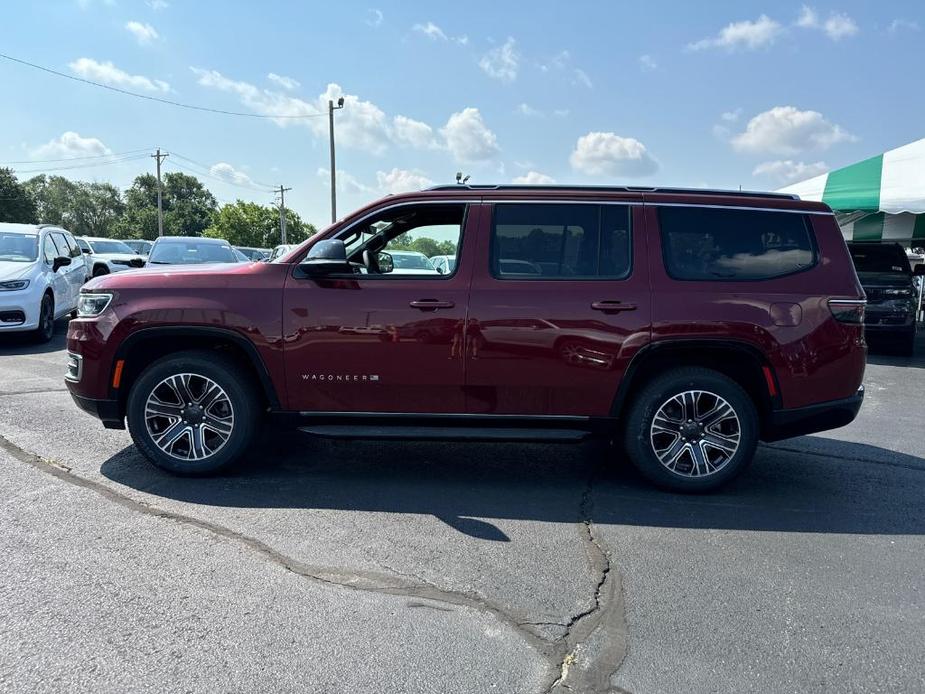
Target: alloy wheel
[[695, 433], [189, 416]]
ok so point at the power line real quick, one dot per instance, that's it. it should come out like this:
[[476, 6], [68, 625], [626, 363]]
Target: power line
[[192, 170], [209, 169], [91, 156], [148, 97], [52, 169]]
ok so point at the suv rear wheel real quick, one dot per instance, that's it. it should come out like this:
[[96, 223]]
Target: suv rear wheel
[[192, 413], [691, 430]]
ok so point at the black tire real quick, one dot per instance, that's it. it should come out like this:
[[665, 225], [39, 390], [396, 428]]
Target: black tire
[[241, 396], [638, 432], [100, 270], [46, 328]]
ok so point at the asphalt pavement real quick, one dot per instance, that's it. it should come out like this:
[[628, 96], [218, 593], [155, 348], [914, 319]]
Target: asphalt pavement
[[336, 566]]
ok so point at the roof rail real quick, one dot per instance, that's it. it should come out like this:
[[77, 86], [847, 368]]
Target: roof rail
[[615, 189]]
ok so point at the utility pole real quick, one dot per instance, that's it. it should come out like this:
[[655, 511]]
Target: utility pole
[[160, 205], [282, 214], [331, 109]]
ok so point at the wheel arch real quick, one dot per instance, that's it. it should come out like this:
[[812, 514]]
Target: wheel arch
[[742, 362], [145, 345]]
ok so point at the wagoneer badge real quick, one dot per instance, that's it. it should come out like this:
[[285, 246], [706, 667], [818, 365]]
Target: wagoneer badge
[[342, 378]]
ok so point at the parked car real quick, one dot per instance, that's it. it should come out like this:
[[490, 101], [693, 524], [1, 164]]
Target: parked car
[[444, 264], [696, 322], [41, 272], [411, 262], [280, 251], [241, 257], [108, 255], [140, 246], [191, 250], [255, 254], [891, 291]]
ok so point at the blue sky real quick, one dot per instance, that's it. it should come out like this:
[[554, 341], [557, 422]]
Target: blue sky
[[719, 94]]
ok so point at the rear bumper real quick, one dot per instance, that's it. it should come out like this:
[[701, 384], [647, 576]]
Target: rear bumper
[[108, 411], [785, 424]]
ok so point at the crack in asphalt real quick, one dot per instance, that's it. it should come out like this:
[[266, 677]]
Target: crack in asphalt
[[365, 581], [585, 667]]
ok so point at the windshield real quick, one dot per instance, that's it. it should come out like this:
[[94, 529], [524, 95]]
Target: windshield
[[876, 258], [19, 248], [190, 253], [110, 247], [411, 261]]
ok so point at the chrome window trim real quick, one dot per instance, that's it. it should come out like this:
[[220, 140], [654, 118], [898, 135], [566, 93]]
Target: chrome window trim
[[739, 207]]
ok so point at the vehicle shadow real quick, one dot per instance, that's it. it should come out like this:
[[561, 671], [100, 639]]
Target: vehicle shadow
[[468, 485], [883, 352], [23, 343]]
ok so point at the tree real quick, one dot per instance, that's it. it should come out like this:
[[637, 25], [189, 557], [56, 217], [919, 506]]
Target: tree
[[86, 209], [256, 226], [16, 203], [422, 244], [188, 207]]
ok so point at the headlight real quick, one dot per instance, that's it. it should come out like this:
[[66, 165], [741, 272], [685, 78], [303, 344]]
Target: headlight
[[13, 285], [897, 292], [89, 305]]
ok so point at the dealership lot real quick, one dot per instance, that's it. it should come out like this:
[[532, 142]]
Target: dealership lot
[[412, 567]]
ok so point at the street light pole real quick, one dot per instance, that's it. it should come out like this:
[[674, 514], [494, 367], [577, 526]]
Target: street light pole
[[331, 109]]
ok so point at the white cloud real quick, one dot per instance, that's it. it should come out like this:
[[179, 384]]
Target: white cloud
[[69, 145], [561, 113], [346, 183], [581, 78], [608, 154], [534, 178], [289, 83], [107, 73], [401, 181], [227, 172], [414, 133], [837, 27], [502, 63], [431, 31], [788, 171], [374, 17], [143, 33], [468, 138], [746, 34], [647, 63], [528, 111], [786, 130], [157, 5], [85, 4], [900, 24], [462, 40], [731, 116]]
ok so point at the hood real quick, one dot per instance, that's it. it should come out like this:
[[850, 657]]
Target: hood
[[11, 270], [885, 279], [118, 256], [155, 276]]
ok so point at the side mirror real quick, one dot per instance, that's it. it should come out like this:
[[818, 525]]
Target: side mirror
[[385, 261], [85, 250], [919, 270], [60, 262], [328, 257]]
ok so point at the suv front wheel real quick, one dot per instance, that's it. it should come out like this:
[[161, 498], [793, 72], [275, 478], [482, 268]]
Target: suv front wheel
[[691, 430], [192, 413]]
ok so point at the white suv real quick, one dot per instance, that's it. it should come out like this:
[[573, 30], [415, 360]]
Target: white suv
[[41, 272], [108, 255]]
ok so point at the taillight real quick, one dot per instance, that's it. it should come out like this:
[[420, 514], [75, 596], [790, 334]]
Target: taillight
[[848, 310]]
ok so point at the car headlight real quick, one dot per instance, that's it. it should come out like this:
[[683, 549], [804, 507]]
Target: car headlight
[[89, 305], [13, 285], [897, 292]]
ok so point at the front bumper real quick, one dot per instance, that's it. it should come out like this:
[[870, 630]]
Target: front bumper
[[798, 421], [26, 301], [108, 411]]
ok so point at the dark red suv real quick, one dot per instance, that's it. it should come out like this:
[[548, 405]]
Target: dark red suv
[[687, 325]]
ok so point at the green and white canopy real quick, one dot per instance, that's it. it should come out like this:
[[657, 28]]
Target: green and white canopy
[[881, 198]]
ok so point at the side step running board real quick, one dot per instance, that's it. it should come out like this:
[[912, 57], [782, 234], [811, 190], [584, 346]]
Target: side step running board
[[444, 433]]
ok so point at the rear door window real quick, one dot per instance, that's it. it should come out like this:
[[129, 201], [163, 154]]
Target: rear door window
[[716, 244], [560, 241]]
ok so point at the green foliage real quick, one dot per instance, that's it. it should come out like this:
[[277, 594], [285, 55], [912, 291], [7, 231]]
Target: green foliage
[[257, 226], [422, 244], [85, 209], [188, 207], [16, 204]]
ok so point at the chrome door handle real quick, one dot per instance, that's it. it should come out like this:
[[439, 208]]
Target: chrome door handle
[[431, 304], [612, 306]]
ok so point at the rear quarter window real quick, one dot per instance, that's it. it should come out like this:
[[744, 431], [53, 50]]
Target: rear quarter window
[[715, 244]]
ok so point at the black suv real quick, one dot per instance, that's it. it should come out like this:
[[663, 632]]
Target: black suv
[[887, 279]]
